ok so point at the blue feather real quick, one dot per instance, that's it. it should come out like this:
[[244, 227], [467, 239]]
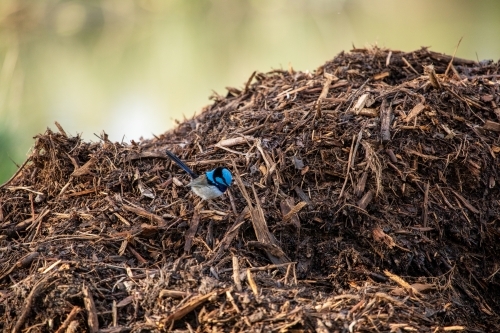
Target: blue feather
[[220, 177], [181, 164]]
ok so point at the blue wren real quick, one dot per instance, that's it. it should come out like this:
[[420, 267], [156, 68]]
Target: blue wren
[[211, 184]]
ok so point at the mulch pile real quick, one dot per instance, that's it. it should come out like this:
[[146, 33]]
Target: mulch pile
[[366, 199]]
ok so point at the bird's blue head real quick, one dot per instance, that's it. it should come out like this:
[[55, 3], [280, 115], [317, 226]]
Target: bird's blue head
[[220, 177]]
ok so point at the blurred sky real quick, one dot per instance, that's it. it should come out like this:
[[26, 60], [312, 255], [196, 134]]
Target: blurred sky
[[130, 67]]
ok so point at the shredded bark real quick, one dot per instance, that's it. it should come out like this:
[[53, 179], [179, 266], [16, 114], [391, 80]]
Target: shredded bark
[[366, 198]]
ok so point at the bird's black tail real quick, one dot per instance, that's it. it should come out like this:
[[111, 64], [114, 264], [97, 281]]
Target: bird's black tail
[[181, 164]]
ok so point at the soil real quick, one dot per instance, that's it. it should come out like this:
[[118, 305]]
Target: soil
[[366, 198]]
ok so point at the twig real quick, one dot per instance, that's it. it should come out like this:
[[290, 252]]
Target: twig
[[69, 319], [16, 173], [409, 65], [249, 81], [236, 274], [92, 320], [144, 213], [452, 57], [426, 204], [324, 93], [351, 151], [39, 286], [385, 121], [23, 262], [351, 98], [190, 306], [193, 227]]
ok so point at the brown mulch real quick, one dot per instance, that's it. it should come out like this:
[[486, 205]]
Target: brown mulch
[[366, 199]]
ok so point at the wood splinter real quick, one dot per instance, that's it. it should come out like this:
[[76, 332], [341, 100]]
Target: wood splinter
[[385, 121]]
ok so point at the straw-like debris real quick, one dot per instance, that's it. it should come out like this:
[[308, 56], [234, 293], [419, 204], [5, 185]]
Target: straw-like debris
[[366, 198]]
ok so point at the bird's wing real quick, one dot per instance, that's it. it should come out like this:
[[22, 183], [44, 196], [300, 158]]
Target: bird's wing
[[181, 164]]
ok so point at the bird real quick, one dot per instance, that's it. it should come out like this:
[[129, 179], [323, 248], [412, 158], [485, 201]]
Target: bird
[[211, 184]]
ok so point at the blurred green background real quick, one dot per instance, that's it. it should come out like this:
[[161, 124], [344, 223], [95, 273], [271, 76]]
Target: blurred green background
[[130, 67]]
